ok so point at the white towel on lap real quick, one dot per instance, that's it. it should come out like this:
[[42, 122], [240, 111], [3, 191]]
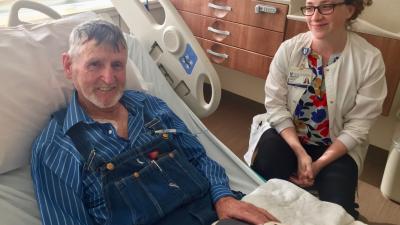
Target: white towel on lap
[[295, 206]]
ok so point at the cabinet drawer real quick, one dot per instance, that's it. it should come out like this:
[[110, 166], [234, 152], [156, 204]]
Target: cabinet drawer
[[238, 59], [239, 11], [254, 39]]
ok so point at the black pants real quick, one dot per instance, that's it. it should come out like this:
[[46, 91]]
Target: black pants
[[337, 182]]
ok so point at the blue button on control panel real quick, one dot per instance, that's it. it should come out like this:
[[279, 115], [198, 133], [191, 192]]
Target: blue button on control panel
[[188, 59]]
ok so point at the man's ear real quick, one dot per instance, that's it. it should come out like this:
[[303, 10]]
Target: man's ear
[[67, 65]]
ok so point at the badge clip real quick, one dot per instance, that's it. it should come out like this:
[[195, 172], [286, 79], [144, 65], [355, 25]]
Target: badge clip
[[306, 51]]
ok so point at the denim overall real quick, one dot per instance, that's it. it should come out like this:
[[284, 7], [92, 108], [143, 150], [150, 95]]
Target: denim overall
[[150, 184]]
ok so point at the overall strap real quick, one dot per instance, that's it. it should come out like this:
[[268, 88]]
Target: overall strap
[[151, 122], [79, 138], [76, 133]]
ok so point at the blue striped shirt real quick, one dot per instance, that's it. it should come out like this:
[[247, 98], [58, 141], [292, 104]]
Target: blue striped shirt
[[63, 192]]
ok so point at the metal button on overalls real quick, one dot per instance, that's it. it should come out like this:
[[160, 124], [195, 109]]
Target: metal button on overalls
[[110, 166]]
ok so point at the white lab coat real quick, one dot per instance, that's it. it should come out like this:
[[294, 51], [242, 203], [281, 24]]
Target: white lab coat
[[355, 87]]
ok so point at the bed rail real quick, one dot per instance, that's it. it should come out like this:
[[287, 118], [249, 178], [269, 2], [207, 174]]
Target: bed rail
[[14, 20], [176, 52]]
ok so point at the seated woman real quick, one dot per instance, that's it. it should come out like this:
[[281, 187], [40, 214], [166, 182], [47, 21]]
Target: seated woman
[[324, 90]]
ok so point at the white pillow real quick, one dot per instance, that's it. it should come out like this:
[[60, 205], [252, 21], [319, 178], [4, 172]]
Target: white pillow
[[33, 84]]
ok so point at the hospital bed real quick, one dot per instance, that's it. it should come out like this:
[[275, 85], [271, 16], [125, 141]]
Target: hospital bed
[[33, 86]]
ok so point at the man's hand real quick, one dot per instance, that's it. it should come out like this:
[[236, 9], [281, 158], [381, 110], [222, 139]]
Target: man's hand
[[228, 207]]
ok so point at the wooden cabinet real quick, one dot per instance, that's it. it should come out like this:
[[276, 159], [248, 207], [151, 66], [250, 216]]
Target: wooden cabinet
[[233, 34], [390, 49]]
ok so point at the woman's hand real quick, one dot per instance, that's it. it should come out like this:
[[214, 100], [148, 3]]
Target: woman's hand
[[305, 173]]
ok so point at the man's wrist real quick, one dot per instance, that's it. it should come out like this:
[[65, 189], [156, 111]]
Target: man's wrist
[[220, 190], [226, 195], [223, 200]]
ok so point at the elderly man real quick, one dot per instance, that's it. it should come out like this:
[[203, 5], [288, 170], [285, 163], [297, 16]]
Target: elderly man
[[123, 157]]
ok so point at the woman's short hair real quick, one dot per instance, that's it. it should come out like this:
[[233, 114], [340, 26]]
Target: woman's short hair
[[359, 6]]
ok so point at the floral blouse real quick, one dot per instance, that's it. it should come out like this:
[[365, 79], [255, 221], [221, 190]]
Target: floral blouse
[[311, 115]]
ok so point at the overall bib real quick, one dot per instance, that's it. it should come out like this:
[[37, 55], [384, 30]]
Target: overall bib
[[152, 184]]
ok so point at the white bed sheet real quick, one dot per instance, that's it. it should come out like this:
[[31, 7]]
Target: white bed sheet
[[291, 204], [17, 200]]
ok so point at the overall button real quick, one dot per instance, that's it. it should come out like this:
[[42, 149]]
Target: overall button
[[110, 166], [165, 135], [171, 155], [136, 174]]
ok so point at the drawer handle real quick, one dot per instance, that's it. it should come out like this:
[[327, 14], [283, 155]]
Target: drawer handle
[[221, 55], [220, 7], [265, 9], [222, 32]]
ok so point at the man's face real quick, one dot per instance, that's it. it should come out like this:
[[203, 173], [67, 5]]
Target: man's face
[[98, 73]]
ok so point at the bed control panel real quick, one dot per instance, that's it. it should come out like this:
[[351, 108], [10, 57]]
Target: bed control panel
[[176, 51], [188, 59]]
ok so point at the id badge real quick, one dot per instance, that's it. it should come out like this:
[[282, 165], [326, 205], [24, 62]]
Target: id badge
[[300, 77]]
